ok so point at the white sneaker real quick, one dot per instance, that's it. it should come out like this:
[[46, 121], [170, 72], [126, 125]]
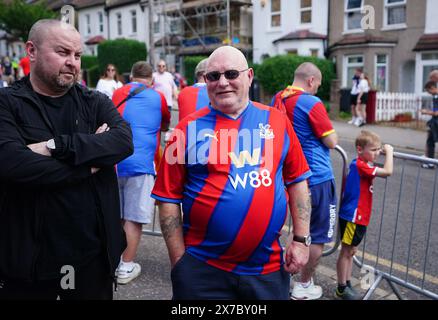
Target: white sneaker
[[351, 121], [312, 292], [358, 122], [428, 165], [124, 276]]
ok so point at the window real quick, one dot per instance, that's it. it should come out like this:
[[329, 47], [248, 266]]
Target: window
[[275, 13], [100, 18], [314, 52], [156, 24], [395, 12], [350, 66], [353, 16], [174, 26], [292, 52], [134, 21], [88, 23], [222, 20], [429, 62], [119, 23], [381, 72], [306, 11]]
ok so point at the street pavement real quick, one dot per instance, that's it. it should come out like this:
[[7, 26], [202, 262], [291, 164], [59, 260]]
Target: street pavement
[[154, 281]]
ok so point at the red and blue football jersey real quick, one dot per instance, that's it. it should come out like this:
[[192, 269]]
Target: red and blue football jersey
[[230, 176], [191, 99], [357, 199], [311, 123], [146, 112]]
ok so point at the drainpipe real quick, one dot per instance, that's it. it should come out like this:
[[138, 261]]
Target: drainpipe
[[151, 35], [107, 21], [326, 52], [228, 22]]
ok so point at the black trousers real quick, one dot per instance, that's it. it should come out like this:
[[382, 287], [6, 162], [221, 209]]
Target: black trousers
[[430, 144], [91, 282], [193, 279]]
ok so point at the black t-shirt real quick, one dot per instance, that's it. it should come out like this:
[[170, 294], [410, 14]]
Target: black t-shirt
[[8, 68], [70, 232]]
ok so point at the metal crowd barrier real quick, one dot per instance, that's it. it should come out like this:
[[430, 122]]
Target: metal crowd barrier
[[340, 172], [401, 243]]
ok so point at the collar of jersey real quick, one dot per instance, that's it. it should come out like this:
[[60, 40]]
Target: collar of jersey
[[291, 90], [226, 115], [140, 84]]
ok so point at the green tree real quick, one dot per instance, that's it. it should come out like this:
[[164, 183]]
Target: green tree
[[17, 17]]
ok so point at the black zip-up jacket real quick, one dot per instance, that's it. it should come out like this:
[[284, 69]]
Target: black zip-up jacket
[[28, 179]]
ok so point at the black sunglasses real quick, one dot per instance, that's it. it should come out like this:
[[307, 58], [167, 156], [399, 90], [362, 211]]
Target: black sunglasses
[[228, 74]]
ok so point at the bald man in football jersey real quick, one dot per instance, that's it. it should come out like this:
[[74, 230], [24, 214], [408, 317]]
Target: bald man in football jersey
[[317, 136], [234, 166]]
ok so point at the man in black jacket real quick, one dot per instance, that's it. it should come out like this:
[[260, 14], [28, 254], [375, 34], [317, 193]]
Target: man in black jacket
[[60, 232]]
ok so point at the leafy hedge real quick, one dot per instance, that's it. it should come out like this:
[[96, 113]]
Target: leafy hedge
[[190, 63], [93, 75], [88, 62], [255, 67], [123, 53], [277, 72]]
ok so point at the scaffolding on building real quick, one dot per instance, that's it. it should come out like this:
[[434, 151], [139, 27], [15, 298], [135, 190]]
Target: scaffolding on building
[[197, 27]]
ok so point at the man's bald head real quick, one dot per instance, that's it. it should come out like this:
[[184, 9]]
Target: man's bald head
[[54, 49], [200, 70], [233, 54], [307, 70], [308, 77], [41, 28], [228, 91]]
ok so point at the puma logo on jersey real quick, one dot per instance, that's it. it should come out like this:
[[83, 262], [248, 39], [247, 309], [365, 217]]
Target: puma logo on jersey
[[213, 136]]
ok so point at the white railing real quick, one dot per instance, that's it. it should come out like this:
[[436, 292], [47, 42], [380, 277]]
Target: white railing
[[390, 104]]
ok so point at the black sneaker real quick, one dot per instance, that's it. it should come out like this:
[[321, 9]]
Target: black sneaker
[[347, 294]]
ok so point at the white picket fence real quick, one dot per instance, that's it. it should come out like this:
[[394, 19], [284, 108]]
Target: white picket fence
[[389, 104]]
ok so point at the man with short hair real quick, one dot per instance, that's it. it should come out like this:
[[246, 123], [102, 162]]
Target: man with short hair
[[163, 82], [194, 97], [432, 134], [233, 165], [317, 136], [60, 232], [146, 111]]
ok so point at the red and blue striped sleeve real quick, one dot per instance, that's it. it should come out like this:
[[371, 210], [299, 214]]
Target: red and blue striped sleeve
[[171, 175], [165, 113]]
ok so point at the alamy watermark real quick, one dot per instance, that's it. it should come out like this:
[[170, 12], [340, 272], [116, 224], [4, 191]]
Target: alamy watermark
[[68, 15], [368, 20], [68, 281]]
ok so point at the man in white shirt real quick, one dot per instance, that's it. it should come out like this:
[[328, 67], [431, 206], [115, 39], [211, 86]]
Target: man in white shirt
[[163, 82]]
